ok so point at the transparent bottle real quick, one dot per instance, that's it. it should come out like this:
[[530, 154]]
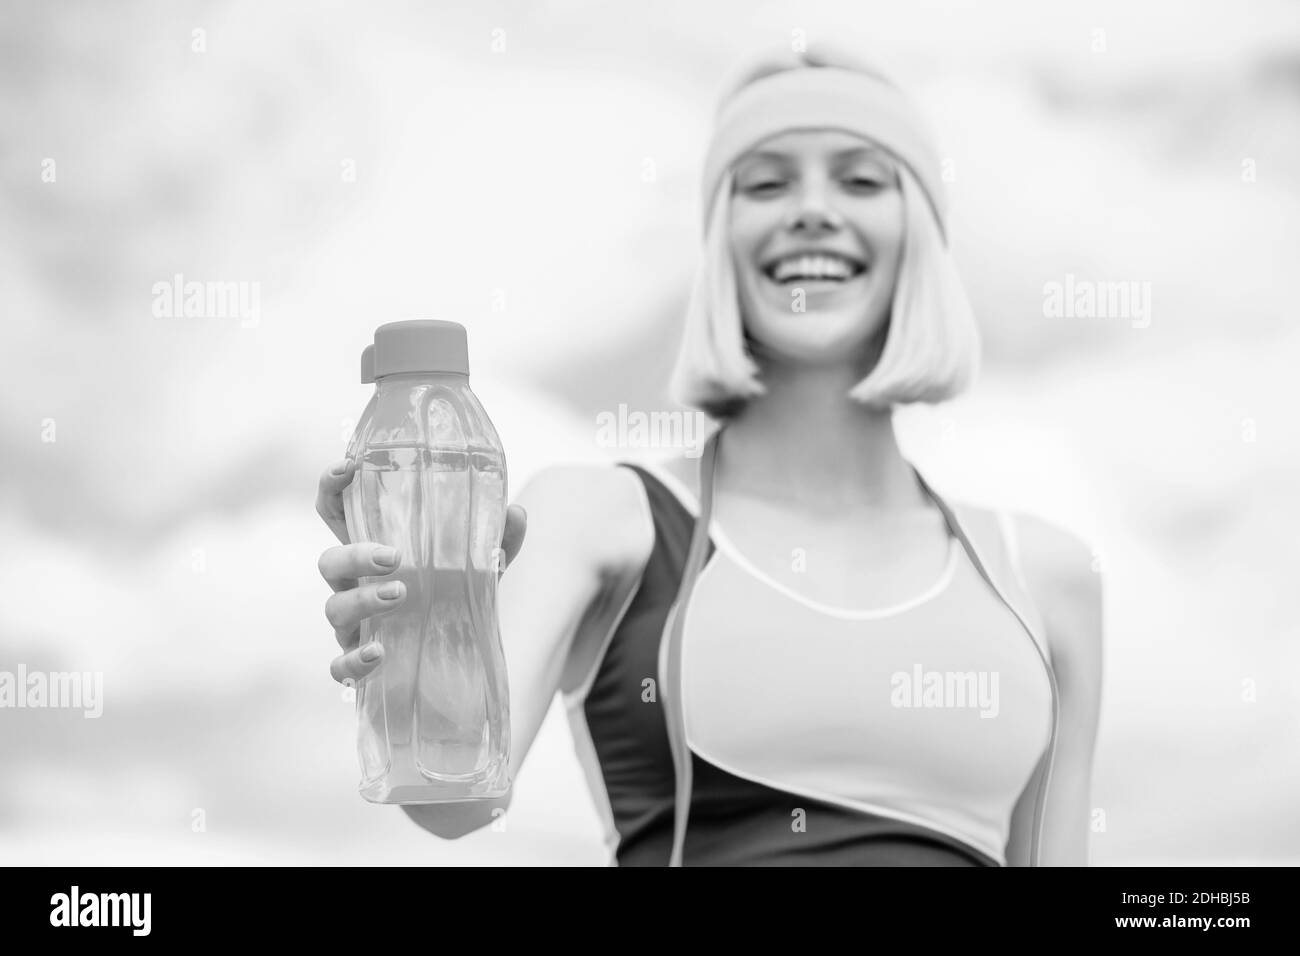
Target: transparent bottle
[[433, 720]]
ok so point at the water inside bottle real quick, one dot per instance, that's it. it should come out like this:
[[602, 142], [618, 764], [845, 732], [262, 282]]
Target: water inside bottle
[[443, 509]]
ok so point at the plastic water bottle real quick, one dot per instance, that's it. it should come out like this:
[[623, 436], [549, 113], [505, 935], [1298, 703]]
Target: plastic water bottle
[[433, 720]]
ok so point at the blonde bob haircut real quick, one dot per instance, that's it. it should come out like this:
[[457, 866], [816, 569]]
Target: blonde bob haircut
[[931, 350]]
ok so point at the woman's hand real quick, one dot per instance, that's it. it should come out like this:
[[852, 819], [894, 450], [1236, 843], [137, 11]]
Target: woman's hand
[[341, 566]]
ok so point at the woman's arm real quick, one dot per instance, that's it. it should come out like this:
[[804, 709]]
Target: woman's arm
[[585, 535], [1058, 568]]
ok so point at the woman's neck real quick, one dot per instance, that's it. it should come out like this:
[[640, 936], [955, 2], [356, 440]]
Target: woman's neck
[[805, 442]]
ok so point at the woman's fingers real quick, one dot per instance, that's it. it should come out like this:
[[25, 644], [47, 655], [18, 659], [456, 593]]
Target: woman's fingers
[[341, 567], [345, 610], [342, 564], [329, 496], [357, 663]]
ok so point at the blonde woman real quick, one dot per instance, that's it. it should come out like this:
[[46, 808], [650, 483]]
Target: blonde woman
[[793, 650]]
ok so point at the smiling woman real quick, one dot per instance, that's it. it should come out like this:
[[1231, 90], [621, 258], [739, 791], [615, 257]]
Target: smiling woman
[[795, 651], [833, 272], [862, 252], [826, 296]]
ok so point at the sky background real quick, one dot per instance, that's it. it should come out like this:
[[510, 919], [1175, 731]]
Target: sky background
[[531, 171]]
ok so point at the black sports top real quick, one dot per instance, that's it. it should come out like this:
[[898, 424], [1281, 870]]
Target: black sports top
[[622, 737]]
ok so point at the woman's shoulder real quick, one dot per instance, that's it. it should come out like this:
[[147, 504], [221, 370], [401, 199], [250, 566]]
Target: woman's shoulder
[[1052, 552], [1062, 572], [1033, 543], [597, 510]]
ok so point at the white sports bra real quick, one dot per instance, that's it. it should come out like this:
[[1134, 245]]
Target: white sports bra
[[935, 711]]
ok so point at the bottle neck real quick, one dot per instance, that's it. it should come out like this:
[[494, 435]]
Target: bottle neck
[[407, 379]]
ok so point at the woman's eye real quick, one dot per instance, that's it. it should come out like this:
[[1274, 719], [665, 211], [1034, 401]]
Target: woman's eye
[[766, 185], [865, 182]]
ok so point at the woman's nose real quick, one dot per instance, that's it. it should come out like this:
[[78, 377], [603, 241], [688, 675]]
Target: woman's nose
[[812, 211]]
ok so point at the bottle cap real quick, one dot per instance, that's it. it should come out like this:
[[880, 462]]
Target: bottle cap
[[416, 345], [368, 365]]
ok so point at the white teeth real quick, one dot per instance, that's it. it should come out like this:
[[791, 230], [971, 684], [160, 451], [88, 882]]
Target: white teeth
[[812, 267]]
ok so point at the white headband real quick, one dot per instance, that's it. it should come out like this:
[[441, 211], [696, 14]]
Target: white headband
[[825, 97]]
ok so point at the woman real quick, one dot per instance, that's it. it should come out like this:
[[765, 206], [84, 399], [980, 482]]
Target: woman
[[794, 651]]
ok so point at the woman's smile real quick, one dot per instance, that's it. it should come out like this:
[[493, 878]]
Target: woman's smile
[[821, 274]]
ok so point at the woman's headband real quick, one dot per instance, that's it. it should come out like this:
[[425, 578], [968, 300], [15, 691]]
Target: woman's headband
[[825, 97]]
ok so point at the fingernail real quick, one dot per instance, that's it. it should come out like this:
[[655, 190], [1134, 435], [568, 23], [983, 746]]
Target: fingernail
[[371, 652], [390, 590], [340, 468], [385, 556]]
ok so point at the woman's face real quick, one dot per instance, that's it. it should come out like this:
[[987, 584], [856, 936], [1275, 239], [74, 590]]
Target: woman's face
[[816, 237]]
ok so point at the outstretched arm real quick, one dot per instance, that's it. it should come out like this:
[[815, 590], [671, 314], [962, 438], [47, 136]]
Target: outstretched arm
[[584, 532]]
